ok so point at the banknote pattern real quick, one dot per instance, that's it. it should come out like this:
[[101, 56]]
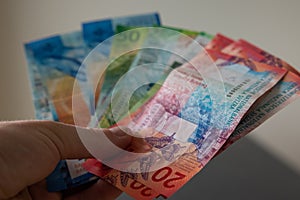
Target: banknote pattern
[[285, 91], [193, 103], [53, 65], [267, 57], [97, 32], [55, 62], [146, 56], [204, 145], [233, 59]]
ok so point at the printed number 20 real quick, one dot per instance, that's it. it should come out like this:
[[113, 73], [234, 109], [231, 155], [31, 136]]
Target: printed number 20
[[162, 175]]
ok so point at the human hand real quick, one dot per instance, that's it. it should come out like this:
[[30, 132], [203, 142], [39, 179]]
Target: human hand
[[30, 150]]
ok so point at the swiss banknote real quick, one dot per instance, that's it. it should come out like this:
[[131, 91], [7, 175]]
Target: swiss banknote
[[198, 99], [243, 85], [53, 65], [140, 189]]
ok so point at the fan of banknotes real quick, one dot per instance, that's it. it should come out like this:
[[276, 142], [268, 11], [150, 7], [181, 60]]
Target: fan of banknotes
[[188, 94]]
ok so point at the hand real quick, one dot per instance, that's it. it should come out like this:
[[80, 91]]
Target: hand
[[30, 150]]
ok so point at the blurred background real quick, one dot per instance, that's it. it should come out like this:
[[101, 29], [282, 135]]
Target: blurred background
[[264, 165]]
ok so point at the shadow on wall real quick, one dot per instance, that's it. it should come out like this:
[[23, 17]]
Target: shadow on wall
[[244, 171]]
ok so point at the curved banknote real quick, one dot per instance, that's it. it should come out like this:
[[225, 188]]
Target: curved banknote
[[97, 32], [119, 65], [53, 65], [243, 85], [166, 59], [55, 62], [244, 49], [184, 119], [219, 42], [202, 38], [283, 93], [268, 58]]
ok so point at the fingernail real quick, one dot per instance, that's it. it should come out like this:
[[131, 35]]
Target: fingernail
[[147, 147], [119, 131]]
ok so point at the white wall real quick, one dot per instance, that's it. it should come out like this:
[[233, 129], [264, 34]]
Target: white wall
[[272, 24]]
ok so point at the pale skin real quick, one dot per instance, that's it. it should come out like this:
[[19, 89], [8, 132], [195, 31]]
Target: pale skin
[[30, 150]]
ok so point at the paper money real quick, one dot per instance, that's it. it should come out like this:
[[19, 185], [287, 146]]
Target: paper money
[[285, 91], [145, 56], [219, 42], [53, 66], [187, 117], [254, 84], [268, 58], [39, 92], [122, 180], [201, 37], [120, 65], [242, 48], [97, 31], [54, 63]]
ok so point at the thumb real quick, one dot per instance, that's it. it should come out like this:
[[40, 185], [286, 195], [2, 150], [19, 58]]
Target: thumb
[[30, 150], [70, 146]]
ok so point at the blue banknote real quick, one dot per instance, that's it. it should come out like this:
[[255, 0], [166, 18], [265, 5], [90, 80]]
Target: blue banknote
[[53, 66]]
